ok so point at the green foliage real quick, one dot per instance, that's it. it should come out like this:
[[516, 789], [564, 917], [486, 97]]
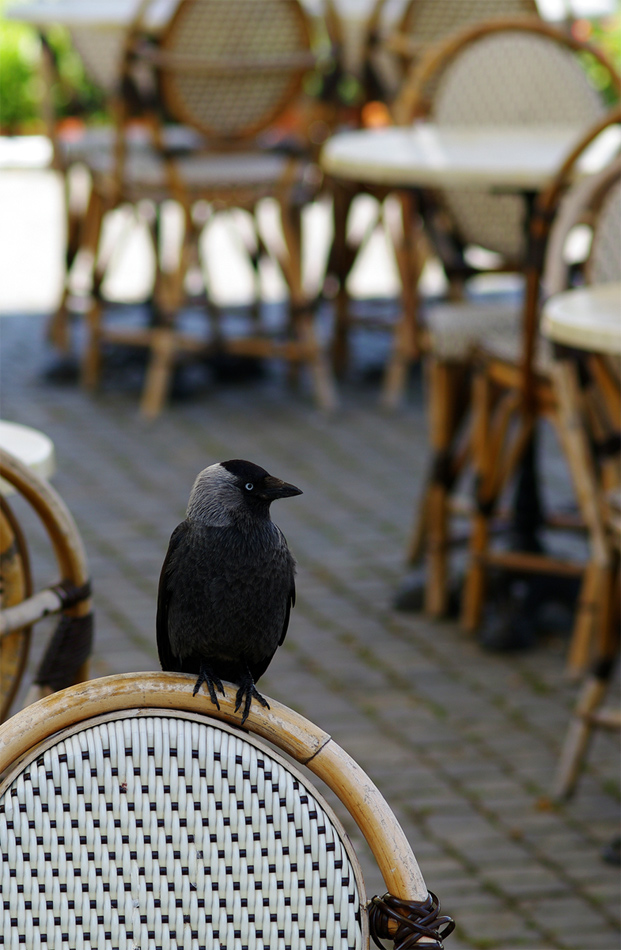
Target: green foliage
[[22, 88], [20, 84], [606, 35]]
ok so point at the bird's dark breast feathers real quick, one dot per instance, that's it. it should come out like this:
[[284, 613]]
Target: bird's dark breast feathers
[[228, 595]]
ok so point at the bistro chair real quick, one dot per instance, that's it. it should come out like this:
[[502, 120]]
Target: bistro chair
[[229, 73], [78, 146], [65, 660], [516, 386], [135, 813], [391, 52], [500, 74]]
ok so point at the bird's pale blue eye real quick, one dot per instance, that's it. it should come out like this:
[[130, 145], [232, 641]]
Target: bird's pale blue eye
[[249, 486]]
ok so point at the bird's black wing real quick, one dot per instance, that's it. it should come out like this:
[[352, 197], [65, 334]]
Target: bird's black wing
[[290, 604], [167, 660], [290, 596]]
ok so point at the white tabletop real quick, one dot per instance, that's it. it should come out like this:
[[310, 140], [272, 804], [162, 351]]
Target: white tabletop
[[588, 318], [426, 155], [31, 447]]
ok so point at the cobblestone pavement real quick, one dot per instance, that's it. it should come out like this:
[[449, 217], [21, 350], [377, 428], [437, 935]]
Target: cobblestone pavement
[[462, 743]]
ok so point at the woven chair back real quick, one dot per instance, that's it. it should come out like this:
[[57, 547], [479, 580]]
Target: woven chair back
[[604, 263], [506, 74], [395, 46], [229, 69], [160, 830], [136, 814], [594, 204], [428, 21]]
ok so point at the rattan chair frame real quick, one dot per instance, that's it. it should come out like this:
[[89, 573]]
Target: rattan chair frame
[[37, 727], [65, 660], [449, 397], [165, 63], [16, 586], [508, 400]]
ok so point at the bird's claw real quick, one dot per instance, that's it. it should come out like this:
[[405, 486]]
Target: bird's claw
[[249, 690], [213, 683]]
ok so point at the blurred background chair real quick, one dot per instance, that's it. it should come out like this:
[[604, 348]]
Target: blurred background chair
[[502, 75], [392, 51], [227, 78], [65, 660], [394, 48], [588, 387], [516, 387], [172, 824]]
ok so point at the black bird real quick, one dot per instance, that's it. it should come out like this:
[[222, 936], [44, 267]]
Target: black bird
[[227, 583]]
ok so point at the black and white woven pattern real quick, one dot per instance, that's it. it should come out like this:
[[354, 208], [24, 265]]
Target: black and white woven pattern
[[152, 831], [507, 80], [218, 31]]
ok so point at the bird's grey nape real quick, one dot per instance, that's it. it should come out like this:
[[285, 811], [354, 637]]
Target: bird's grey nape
[[214, 497]]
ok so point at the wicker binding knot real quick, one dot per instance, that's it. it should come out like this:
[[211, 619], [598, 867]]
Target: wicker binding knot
[[414, 919]]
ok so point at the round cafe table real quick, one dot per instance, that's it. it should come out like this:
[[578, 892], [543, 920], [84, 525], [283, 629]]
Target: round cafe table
[[33, 448], [588, 318]]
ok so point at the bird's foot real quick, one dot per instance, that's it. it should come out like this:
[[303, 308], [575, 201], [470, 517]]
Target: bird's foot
[[213, 683], [250, 691]]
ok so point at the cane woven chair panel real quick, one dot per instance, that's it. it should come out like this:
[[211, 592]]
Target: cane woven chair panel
[[454, 331], [236, 99], [430, 20], [604, 262], [160, 831], [509, 79]]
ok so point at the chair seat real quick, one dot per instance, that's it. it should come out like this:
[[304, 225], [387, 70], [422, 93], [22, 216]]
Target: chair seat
[[508, 349], [145, 170], [89, 143], [454, 330]]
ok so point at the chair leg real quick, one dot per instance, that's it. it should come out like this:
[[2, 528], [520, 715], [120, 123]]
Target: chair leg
[[90, 368], [497, 453], [474, 584], [446, 409], [159, 372], [592, 614], [302, 316], [337, 266], [416, 544], [410, 253], [580, 730], [589, 616]]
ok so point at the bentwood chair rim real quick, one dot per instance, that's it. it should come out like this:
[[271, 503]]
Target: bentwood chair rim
[[66, 658], [411, 102], [290, 732]]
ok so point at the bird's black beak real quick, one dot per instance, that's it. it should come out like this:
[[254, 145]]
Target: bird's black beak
[[274, 488]]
